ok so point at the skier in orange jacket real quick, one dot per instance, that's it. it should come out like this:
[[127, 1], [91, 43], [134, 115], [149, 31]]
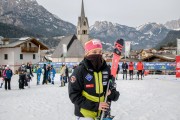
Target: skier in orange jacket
[[131, 68], [140, 68]]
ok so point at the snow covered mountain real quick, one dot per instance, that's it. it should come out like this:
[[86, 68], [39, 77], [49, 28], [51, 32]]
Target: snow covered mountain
[[29, 15], [144, 36], [32, 17], [173, 24]]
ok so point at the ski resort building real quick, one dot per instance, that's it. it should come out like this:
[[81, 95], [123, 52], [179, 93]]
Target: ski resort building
[[14, 52]]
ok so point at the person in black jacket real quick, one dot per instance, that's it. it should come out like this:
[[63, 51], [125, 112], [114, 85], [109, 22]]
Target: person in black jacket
[[66, 74], [22, 75], [44, 74], [29, 74], [124, 67], [88, 83]]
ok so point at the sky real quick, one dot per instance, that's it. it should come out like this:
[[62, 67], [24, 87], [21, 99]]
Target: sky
[[132, 13]]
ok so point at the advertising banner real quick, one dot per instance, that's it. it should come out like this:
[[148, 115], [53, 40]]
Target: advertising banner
[[127, 48], [178, 66]]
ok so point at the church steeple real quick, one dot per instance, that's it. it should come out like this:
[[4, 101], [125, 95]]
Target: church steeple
[[82, 9], [83, 26]]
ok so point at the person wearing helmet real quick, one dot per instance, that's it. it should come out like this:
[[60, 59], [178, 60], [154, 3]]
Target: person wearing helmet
[[88, 83]]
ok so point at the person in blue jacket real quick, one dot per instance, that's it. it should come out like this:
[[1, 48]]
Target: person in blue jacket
[[8, 75], [39, 72], [52, 74]]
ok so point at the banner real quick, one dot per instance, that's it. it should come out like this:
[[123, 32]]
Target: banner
[[177, 66], [64, 50], [127, 48], [147, 65]]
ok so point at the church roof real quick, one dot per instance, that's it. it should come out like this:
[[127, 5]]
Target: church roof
[[82, 10], [74, 48]]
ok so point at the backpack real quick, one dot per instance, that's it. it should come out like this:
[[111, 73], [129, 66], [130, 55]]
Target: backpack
[[4, 73]]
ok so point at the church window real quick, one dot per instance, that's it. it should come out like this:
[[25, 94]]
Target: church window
[[84, 23], [84, 32]]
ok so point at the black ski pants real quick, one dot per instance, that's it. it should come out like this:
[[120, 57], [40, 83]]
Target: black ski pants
[[124, 74], [22, 78], [7, 83], [140, 73], [131, 74]]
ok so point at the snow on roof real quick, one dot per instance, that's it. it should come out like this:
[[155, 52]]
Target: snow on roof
[[168, 57], [24, 38]]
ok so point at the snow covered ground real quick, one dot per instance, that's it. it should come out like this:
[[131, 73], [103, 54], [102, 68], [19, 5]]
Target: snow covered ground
[[156, 97]]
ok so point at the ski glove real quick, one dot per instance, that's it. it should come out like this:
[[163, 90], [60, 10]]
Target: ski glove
[[114, 96]]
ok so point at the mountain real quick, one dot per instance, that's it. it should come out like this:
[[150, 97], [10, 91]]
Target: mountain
[[144, 36], [170, 40], [173, 24], [29, 15], [11, 31]]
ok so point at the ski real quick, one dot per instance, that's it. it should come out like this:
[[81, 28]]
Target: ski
[[115, 60]]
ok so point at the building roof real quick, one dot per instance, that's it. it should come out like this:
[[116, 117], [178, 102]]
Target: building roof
[[166, 57], [14, 42], [133, 53], [82, 10], [74, 48], [168, 48]]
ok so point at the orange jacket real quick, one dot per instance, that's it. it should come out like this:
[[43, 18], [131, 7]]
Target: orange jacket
[[131, 66], [140, 66]]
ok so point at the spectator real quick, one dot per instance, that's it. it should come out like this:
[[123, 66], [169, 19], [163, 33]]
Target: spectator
[[62, 74], [124, 67], [22, 75], [131, 69], [7, 77], [39, 72], [29, 74], [52, 74], [140, 68]]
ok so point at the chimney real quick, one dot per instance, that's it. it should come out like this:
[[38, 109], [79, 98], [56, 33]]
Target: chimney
[[5, 41]]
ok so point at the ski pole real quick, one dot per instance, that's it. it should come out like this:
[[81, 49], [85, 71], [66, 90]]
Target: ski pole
[[103, 112]]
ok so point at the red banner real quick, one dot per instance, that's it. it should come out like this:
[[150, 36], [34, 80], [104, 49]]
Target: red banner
[[178, 66]]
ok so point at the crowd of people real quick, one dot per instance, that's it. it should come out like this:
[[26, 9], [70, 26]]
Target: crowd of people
[[48, 72], [25, 72], [131, 67]]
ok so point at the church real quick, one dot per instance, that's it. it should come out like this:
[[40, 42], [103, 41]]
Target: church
[[70, 48]]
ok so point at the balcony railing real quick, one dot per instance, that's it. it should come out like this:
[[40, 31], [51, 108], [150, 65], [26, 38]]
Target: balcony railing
[[29, 49]]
